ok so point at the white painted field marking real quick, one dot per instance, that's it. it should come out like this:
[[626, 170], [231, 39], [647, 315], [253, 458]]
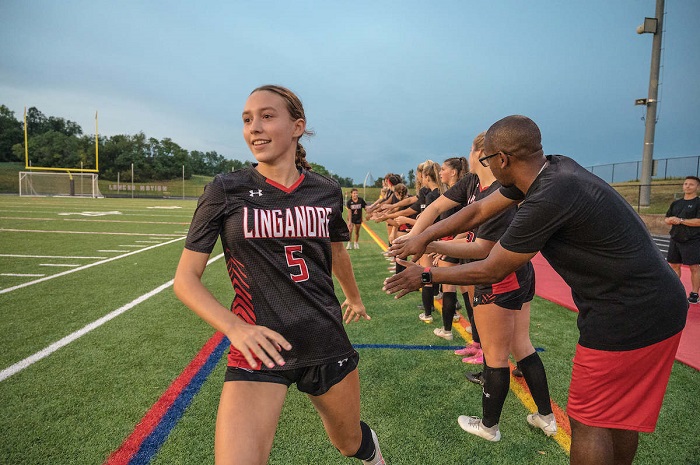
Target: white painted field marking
[[89, 232], [147, 242], [117, 251], [21, 275], [51, 256], [91, 213], [68, 265], [21, 365], [84, 267], [166, 208], [94, 221]]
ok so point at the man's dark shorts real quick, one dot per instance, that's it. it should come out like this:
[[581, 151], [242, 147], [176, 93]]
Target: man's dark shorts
[[687, 253]]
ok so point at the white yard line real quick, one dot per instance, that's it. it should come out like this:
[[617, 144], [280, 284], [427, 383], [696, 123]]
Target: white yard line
[[84, 267], [70, 257], [92, 220], [21, 365], [90, 232], [68, 265], [22, 275], [117, 251]]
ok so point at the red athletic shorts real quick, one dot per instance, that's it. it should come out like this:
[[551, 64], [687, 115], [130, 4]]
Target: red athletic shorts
[[621, 390]]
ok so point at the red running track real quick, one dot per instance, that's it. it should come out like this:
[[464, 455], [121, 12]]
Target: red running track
[[549, 285]]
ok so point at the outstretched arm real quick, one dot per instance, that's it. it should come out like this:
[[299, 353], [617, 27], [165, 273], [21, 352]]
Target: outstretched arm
[[499, 264], [464, 220], [342, 269]]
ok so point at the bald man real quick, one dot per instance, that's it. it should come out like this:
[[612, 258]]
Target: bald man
[[632, 306]]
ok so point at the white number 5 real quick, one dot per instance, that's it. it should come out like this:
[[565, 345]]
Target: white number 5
[[296, 261]]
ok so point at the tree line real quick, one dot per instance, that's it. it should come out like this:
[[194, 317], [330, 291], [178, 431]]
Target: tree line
[[57, 142]]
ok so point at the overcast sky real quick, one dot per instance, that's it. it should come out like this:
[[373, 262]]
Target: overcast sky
[[385, 84]]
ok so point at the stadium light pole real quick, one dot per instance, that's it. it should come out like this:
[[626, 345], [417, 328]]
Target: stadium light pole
[[651, 26]]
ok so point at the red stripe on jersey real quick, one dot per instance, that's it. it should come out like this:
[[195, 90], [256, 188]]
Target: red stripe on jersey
[[243, 301], [510, 283], [283, 188]]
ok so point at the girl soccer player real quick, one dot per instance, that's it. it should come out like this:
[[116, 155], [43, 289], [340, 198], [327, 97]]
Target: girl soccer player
[[281, 228]]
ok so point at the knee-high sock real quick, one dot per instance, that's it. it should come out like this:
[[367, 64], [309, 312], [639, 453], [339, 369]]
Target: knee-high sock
[[536, 379], [449, 305], [470, 315], [399, 268], [495, 390], [427, 297]]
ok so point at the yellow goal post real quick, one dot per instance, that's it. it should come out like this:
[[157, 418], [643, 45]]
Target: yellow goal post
[[28, 165]]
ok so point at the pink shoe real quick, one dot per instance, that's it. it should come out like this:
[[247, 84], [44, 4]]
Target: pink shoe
[[476, 359], [470, 349]]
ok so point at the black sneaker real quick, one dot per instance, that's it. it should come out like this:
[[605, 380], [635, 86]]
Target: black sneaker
[[475, 378], [516, 372], [693, 298]]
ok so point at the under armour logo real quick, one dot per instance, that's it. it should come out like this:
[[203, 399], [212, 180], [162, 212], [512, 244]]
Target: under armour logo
[[340, 362], [253, 193]]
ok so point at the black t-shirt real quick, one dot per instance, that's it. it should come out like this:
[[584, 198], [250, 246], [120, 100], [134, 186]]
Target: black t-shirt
[[686, 209], [627, 295], [277, 245], [492, 230], [419, 205], [465, 190], [356, 209]]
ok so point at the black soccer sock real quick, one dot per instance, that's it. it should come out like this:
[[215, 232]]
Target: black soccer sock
[[427, 297], [449, 304], [367, 448], [399, 268], [436, 290], [536, 379], [496, 385], [470, 316]]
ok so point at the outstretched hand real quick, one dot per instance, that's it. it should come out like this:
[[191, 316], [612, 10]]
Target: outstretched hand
[[353, 312], [405, 246], [261, 342], [402, 283]]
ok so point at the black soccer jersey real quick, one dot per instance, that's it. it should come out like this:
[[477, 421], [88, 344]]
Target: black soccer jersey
[[464, 191], [277, 245], [419, 205], [492, 230], [356, 209], [627, 295]]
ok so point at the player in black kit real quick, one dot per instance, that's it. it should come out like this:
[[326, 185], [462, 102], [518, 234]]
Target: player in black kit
[[282, 232], [355, 206]]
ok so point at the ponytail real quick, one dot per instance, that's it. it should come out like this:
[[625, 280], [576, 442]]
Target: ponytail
[[300, 157]]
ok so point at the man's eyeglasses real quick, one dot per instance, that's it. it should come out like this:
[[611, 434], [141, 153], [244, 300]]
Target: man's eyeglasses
[[485, 164]]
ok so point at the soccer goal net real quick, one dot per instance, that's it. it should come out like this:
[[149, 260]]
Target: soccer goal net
[[44, 183]]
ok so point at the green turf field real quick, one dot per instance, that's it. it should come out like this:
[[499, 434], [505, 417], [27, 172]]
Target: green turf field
[[66, 263]]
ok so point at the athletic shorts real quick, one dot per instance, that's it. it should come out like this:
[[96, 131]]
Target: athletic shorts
[[313, 380], [621, 390], [356, 221], [687, 253], [510, 300]]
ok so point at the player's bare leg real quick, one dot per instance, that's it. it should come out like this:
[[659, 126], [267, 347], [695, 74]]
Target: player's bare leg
[[339, 409], [591, 445], [246, 422]]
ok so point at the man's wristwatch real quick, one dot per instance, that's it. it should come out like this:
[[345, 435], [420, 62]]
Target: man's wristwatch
[[426, 277]]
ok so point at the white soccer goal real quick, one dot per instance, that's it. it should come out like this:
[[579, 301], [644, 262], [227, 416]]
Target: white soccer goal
[[56, 183]]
